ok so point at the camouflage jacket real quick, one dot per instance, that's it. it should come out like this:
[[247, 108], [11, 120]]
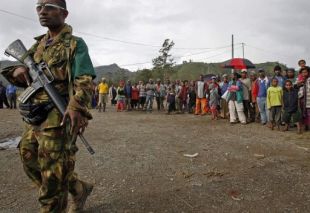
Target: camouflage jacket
[[64, 54]]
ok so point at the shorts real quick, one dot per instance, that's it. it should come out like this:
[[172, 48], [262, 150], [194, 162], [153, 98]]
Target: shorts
[[103, 98]]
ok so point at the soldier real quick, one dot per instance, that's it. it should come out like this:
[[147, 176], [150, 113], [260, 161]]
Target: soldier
[[48, 148]]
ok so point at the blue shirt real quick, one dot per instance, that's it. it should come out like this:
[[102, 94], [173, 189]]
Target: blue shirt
[[11, 89], [128, 90], [262, 88], [281, 80], [224, 87]]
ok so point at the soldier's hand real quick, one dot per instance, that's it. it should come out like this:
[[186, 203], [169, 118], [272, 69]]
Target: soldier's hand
[[78, 123], [21, 74]]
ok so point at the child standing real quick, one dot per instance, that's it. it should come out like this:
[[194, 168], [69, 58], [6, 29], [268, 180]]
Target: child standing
[[120, 97], [191, 97], [214, 98], [290, 106], [171, 99], [274, 103]]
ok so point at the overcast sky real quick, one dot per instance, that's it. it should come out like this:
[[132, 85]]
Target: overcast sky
[[273, 30]]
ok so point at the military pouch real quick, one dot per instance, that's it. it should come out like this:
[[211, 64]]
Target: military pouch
[[35, 114]]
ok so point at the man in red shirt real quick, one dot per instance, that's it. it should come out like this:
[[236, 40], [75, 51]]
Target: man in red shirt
[[134, 96], [254, 93], [183, 96]]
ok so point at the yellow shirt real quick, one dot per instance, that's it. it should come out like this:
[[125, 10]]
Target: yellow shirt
[[103, 88], [274, 96]]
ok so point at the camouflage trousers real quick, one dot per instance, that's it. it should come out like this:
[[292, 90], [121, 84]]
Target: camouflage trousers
[[48, 160]]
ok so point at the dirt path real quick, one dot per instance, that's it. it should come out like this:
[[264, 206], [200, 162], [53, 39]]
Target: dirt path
[[140, 166]]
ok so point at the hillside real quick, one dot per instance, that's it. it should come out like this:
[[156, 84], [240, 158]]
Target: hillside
[[192, 70], [189, 70], [113, 73]]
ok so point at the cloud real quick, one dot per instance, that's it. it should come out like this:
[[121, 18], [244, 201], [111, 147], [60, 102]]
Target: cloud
[[272, 30]]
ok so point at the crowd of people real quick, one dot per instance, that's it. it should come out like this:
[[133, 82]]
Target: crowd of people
[[280, 101]]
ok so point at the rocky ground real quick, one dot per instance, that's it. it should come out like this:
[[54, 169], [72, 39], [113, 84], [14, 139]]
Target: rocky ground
[[141, 165]]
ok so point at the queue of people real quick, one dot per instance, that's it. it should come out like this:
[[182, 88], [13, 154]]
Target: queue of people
[[280, 101]]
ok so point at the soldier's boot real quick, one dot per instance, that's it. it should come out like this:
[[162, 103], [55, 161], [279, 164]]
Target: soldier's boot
[[78, 202]]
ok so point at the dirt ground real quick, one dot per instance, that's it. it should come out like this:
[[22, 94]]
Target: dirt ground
[[139, 166]]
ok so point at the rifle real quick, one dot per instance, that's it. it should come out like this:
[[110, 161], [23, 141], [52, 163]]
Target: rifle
[[41, 77]]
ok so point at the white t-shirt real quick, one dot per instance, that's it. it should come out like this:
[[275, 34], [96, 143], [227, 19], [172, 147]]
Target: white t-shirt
[[246, 87], [200, 89]]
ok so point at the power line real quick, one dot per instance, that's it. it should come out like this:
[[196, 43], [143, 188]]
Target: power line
[[117, 40], [17, 15], [179, 57], [267, 51], [212, 56], [199, 53], [112, 39], [135, 64], [132, 43]]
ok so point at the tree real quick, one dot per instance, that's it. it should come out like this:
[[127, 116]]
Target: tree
[[143, 75], [164, 61]]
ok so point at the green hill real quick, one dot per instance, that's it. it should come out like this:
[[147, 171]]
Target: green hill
[[113, 73], [192, 70], [188, 70]]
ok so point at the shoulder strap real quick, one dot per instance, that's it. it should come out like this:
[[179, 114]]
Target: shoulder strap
[[70, 45]]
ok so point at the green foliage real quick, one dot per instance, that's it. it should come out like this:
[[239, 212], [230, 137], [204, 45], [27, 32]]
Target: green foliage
[[164, 60], [113, 73], [163, 64], [143, 75]]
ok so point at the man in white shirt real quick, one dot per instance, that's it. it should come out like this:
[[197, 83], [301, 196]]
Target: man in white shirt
[[201, 97], [246, 88]]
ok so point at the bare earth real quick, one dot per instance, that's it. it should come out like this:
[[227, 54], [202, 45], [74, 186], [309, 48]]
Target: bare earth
[[139, 166]]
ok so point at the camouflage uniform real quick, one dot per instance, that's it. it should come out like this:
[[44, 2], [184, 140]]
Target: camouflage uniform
[[48, 150]]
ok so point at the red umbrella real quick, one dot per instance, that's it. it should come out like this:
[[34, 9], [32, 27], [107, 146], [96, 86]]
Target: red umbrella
[[238, 64]]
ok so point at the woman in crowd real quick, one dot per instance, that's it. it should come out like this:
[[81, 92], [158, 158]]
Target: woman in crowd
[[112, 95], [120, 97], [214, 97], [142, 95], [235, 100]]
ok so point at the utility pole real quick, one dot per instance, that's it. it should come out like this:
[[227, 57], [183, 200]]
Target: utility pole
[[232, 46], [243, 44], [232, 50]]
